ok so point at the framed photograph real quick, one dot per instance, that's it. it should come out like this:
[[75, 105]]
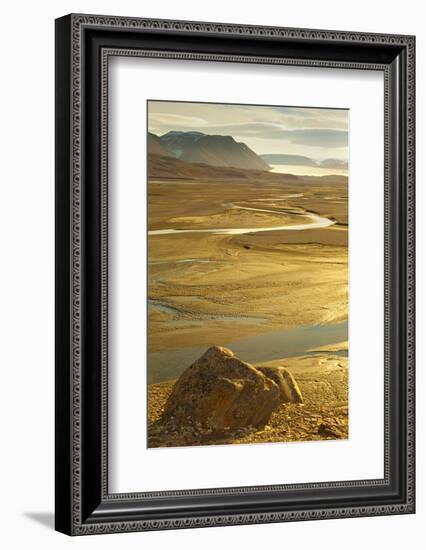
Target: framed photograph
[[234, 274]]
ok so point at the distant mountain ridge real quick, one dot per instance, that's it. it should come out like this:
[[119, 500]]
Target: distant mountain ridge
[[300, 160], [155, 147], [294, 160], [334, 163], [214, 150]]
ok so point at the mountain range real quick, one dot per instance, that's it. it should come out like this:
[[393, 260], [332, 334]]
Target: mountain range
[[225, 151], [300, 160], [214, 150], [155, 147]]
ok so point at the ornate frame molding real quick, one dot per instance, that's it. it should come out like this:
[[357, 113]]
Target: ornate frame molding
[[75, 27]]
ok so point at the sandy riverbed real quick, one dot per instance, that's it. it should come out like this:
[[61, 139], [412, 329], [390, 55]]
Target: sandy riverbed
[[208, 287]]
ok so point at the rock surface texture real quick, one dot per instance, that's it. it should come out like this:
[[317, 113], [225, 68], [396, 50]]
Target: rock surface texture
[[219, 391], [289, 390], [324, 414]]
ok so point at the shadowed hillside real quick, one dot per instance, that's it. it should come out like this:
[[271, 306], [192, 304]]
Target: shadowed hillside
[[155, 146], [214, 150], [164, 167]]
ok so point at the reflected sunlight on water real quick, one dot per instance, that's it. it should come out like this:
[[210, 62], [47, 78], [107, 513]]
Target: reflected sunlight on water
[[307, 170]]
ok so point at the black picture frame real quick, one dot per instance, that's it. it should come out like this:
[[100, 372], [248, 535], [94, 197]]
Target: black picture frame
[[83, 45]]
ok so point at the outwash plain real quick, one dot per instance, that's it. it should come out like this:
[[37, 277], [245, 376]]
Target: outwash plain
[[257, 262], [247, 290]]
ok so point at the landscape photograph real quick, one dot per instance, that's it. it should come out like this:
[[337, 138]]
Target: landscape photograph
[[247, 277]]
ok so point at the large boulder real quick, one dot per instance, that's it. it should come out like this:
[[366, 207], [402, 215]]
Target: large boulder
[[220, 391], [289, 390]]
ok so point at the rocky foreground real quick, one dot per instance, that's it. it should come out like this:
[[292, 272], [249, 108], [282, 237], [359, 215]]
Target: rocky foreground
[[221, 399]]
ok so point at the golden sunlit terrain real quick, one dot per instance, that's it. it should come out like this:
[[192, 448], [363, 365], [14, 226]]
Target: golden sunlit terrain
[[218, 289], [247, 285]]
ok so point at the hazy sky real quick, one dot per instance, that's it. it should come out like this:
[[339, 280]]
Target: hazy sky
[[316, 133]]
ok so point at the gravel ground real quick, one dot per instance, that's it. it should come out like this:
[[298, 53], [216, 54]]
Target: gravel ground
[[323, 381]]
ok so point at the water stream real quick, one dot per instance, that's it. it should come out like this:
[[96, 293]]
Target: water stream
[[314, 222], [277, 344]]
